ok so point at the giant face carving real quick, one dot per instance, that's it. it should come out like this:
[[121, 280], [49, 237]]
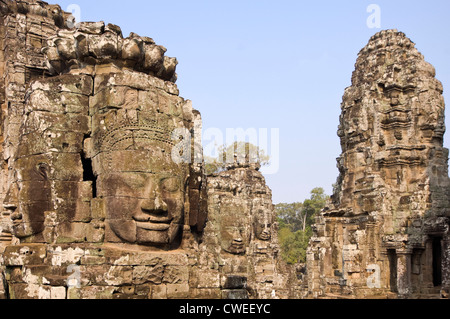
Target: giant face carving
[[144, 192], [262, 224], [233, 228], [47, 163], [30, 197]]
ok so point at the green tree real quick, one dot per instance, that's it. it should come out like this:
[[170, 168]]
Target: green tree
[[314, 205], [295, 225], [244, 151], [294, 244], [291, 216]]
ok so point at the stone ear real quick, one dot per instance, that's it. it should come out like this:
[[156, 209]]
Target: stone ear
[[198, 201]]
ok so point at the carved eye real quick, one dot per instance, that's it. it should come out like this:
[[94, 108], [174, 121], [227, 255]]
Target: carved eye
[[170, 185], [43, 170]]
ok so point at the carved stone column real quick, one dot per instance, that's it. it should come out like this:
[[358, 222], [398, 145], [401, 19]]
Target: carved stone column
[[445, 268], [404, 273]]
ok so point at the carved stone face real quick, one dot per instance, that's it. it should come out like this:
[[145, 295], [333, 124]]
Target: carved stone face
[[144, 200], [234, 233], [262, 224], [30, 198]]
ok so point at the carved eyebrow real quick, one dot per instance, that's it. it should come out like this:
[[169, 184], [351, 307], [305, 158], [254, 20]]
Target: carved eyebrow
[[162, 182], [164, 176], [135, 178]]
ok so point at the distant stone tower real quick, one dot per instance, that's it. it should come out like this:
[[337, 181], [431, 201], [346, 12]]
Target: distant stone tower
[[386, 231], [242, 234]]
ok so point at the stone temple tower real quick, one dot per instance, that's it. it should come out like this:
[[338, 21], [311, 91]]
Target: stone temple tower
[[386, 230]]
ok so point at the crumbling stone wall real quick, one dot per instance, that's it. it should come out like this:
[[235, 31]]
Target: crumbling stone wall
[[386, 231], [92, 163], [95, 206], [242, 234], [24, 28], [104, 194]]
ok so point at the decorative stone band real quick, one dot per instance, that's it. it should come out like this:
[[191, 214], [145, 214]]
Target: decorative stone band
[[124, 143], [91, 44], [125, 136]]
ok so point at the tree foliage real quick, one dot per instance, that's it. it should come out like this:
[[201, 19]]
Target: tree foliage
[[295, 225], [244, 151]]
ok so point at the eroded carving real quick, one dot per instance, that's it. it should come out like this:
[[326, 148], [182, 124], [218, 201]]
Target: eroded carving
[[393, 177]]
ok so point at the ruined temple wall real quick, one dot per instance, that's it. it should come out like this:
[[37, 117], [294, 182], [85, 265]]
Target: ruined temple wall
[[48, 121], [63, 111], [242, 234], [4, 225], [25, 28], [89, 156], [392, 200]]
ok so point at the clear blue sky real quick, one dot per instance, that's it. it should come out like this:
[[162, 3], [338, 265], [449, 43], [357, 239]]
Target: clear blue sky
[[277, 64]]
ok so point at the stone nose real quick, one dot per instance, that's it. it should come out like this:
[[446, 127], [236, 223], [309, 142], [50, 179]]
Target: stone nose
[[154, 205], [16, 216], [10, 202]]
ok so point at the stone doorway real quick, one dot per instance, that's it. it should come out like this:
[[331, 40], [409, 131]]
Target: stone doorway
[[437, 261], [392, 257]]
